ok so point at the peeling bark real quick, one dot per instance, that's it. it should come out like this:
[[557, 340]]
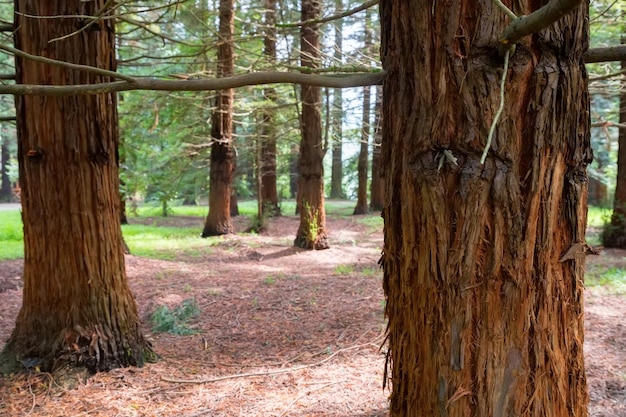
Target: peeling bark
[[484, 317]]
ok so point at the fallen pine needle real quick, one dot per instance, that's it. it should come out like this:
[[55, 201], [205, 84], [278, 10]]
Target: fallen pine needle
[[265, 373]]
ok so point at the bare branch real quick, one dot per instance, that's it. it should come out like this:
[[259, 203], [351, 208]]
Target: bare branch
[[64, 64], [254, 78], [337, 16], [611, 53], [537, 20], [607, 76]]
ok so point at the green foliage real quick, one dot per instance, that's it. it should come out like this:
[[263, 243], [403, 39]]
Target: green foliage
[[174, 321], [599, 275]]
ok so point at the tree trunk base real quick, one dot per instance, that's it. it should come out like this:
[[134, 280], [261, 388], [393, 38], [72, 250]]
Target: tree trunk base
[[209, 231], [77, 348], [614, 232], [320, 243]]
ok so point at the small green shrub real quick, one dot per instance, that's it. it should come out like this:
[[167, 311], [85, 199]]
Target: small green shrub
[[344, 269], [174, 321]]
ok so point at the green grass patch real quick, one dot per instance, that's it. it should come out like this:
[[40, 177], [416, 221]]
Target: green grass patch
[[344, 269], [165, 243], [11, 235], [373, 223], [597, 216], [599, 275]]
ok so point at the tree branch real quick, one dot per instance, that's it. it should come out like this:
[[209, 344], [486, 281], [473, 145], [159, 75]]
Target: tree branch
[[64, 64], [537, 20], [337, 16], [254, 78], [611, 53]]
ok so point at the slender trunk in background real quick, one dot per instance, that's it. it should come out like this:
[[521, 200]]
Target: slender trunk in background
[[376, 184], [5, 183], [268, 195], [614, 234], [77, 309], [218, 221], [312, 230], [336, 175], [361, 201], [484, 263]]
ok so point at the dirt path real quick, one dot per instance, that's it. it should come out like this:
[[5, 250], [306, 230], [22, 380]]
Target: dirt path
[[281, 332]]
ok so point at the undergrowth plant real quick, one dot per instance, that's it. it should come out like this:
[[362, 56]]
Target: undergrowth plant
[[174, 321]]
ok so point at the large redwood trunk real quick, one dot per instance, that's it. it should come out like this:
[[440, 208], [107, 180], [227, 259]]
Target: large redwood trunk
[[218, 221], [312, 230], [483, 263], [77, 308]]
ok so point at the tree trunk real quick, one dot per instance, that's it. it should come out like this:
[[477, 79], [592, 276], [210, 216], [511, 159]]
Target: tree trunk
[[598, 192], [312, 231], [483, 263], [361, 201], [77, 308], [218, 221], [336, 175], [376, 183], [294, 157], [5, 182], [614, 234], [268, 194]]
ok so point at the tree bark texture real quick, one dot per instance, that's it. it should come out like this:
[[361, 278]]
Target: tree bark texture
[[376, 182], [218, 220], [312, 230], [268, 194], [77, 308], [614, 234], [483, 263], [361, 195], [336, 174]]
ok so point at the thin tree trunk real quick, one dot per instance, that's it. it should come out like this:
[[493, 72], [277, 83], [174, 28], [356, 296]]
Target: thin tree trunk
[[376, 184], [336, 175], [5, 182], [268, 194], [614, 234], [312, 230], [77, 308], [483, 263], [361, 202], [218, 221]]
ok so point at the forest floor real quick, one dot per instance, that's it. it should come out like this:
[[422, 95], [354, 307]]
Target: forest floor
[[280, 332]]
